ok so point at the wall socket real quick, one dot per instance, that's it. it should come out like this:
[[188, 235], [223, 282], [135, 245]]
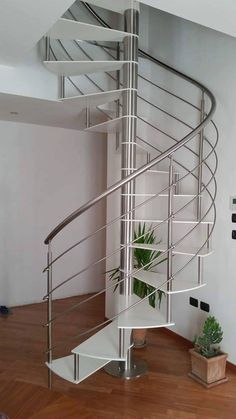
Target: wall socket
[[193, 302], [203, 306]]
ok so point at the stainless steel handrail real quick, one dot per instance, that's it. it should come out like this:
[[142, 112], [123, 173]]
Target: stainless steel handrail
[[189, 172], [141, 170], [205, 187], [202, 186]]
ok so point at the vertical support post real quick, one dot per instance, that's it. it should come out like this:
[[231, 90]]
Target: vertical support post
[[199, 268], [199, 189], [129, 368], [170, 242], [176, 182], [87, 117], [76, 367], [208, 238], [200, 154], [47, 48], [118, 101], [121, 343], [128, 150], [62, 87], [49, 312]]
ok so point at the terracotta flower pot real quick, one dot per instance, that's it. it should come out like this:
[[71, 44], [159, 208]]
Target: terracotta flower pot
[[208, 371], [139, 337]]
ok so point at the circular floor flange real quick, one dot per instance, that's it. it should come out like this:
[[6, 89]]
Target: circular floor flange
[[117, 369]]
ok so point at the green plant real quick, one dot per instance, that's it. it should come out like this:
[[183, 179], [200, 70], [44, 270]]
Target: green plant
[[143, 258], [212, 335]]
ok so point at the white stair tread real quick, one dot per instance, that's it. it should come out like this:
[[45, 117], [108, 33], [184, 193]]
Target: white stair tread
[[157, 279], [114, 125], [69, 29], [165, 221], [141, 316], [115, 6], [103, 345], [178, 250], [75, 68], [64, 367], [162, 195], [163, 172], [94, 99]]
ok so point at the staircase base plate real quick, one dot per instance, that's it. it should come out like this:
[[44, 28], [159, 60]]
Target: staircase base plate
[[117, 369]]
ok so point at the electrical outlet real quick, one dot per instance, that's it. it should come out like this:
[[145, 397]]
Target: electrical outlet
[[233, 218], [193, 302], [204, 306]]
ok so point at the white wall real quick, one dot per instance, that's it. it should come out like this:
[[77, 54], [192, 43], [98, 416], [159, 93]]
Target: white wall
[[45, 174], [30, 77], [209, 57], [215, 14]]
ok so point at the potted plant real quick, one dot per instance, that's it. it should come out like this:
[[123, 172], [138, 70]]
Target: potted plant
[[148, 260], [207, 360]]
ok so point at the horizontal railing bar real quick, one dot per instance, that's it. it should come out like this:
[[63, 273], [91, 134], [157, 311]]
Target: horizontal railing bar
[[135, 208], [153, 126], [122, 247], [134, 175], [143, 299], [112, 318]]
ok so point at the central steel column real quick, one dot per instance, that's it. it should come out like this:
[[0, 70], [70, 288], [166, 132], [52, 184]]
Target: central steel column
[[129, 368]]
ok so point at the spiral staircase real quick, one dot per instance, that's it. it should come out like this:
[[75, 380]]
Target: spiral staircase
[[187, 238]]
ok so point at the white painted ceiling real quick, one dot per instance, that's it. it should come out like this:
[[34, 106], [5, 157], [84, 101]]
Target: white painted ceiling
[[23, 23], [215, 14]]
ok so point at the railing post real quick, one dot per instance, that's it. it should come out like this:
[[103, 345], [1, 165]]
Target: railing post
[[87, 123], [200, 154], [199, 189], [62, 87], [118, 101], [176, 182], [170, 242], [47, 48], [49, 312], [76, 367]]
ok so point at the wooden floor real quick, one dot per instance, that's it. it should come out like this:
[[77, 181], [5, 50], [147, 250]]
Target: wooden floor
[[165, 392]]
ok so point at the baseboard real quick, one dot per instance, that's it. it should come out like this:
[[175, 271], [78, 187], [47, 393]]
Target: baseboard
[[189, 344]]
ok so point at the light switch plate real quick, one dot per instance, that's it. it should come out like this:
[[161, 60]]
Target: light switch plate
[[233, 203]]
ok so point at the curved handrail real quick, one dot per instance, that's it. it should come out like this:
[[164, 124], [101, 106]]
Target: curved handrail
[[189, 172], [153, 162], [134, 175], [163, 155]]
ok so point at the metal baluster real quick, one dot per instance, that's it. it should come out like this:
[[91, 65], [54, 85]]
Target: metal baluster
[[199, 199], [49, 312], [76, 367], [177, 184], [47, 48], [87, 123], [170, 241], [208, 234], [62, 87], [118, 101]]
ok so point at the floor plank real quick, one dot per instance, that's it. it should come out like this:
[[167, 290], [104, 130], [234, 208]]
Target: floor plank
[[165, 391]]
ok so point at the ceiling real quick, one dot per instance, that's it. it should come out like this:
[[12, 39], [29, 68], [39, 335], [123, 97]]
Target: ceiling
[[23, 23]]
